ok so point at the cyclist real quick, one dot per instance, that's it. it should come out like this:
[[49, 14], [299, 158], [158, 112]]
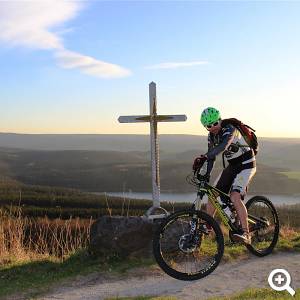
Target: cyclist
[[235, 178]]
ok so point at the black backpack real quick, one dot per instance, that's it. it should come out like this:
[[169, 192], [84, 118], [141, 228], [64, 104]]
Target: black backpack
[[246, 131]]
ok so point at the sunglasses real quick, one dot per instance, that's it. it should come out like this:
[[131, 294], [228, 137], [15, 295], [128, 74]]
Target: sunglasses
[[212, 125]]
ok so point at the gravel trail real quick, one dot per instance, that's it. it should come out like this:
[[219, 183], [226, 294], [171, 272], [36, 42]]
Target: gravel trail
[[227, 279]]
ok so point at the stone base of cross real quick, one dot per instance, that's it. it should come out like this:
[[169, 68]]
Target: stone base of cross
[[153, 118]]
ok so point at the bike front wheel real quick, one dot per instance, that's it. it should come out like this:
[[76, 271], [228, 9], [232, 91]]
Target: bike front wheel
[[263, 225], [185, 254]]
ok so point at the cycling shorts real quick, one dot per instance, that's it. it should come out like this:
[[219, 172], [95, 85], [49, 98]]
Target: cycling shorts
[[235, 178]]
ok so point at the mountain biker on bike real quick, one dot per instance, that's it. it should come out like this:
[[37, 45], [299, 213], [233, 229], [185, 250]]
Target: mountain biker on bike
[[241, 165]]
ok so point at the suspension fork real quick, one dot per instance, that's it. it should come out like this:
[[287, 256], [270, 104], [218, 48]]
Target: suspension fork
[[194, 224], [197, 206]]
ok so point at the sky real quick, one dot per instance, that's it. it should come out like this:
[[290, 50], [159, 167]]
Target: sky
[[75, 67]]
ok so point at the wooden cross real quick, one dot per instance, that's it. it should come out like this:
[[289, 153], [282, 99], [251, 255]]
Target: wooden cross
[[153, 118]]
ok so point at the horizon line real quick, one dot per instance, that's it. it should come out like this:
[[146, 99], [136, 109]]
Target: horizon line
[[138, 134]]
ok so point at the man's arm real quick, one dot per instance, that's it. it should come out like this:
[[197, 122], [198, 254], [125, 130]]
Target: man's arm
[[211, 160], [212, 152], [227, 139]]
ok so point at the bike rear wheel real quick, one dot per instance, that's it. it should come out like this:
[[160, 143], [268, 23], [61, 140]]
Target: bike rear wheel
[[263, 225], [187, 256]]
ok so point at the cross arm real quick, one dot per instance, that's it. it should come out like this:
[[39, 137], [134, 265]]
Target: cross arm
[[133, 119], [171, 118], [157, 118]]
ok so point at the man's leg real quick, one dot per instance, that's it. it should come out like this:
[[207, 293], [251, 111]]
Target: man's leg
[[239, 186], [241, 210], [210, 209], [219, 184], [223, 183]]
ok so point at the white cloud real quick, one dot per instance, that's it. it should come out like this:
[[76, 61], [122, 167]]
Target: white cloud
[[28, 24], [176, 65], [32, 25], [89, 65]]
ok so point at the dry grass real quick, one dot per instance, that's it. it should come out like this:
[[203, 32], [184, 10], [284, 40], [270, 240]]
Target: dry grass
[[289, 232], [24, 238]]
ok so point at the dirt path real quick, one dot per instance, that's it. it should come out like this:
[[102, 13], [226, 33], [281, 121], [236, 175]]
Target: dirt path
[[228, 278]]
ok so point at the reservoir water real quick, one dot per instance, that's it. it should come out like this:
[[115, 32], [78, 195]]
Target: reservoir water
[[190, 197]]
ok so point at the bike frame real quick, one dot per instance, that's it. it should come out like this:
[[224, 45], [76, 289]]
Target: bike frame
[[213, 193]]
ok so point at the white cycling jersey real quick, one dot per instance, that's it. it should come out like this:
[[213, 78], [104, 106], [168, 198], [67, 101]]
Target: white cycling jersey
[[240, 156]]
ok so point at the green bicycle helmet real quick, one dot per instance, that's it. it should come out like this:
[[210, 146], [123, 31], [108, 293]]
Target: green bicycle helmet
[[209, 116]]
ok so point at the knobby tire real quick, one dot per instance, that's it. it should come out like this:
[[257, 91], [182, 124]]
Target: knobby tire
[[161, 257]]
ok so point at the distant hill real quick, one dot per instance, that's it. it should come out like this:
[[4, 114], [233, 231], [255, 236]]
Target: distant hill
[[117, 162], [114, 171], [116, 142], [275, 152], [98, 142]]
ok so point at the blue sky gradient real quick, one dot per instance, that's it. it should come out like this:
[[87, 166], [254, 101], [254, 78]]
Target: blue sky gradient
[[245, 55]]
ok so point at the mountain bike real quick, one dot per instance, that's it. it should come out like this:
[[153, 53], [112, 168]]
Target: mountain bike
[[189, 244]]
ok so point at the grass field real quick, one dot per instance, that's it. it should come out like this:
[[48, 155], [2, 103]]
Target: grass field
[[46, 270], [55, 250], [259, 294]]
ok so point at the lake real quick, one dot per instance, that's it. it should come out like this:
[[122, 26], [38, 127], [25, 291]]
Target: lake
[[190, 197]]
